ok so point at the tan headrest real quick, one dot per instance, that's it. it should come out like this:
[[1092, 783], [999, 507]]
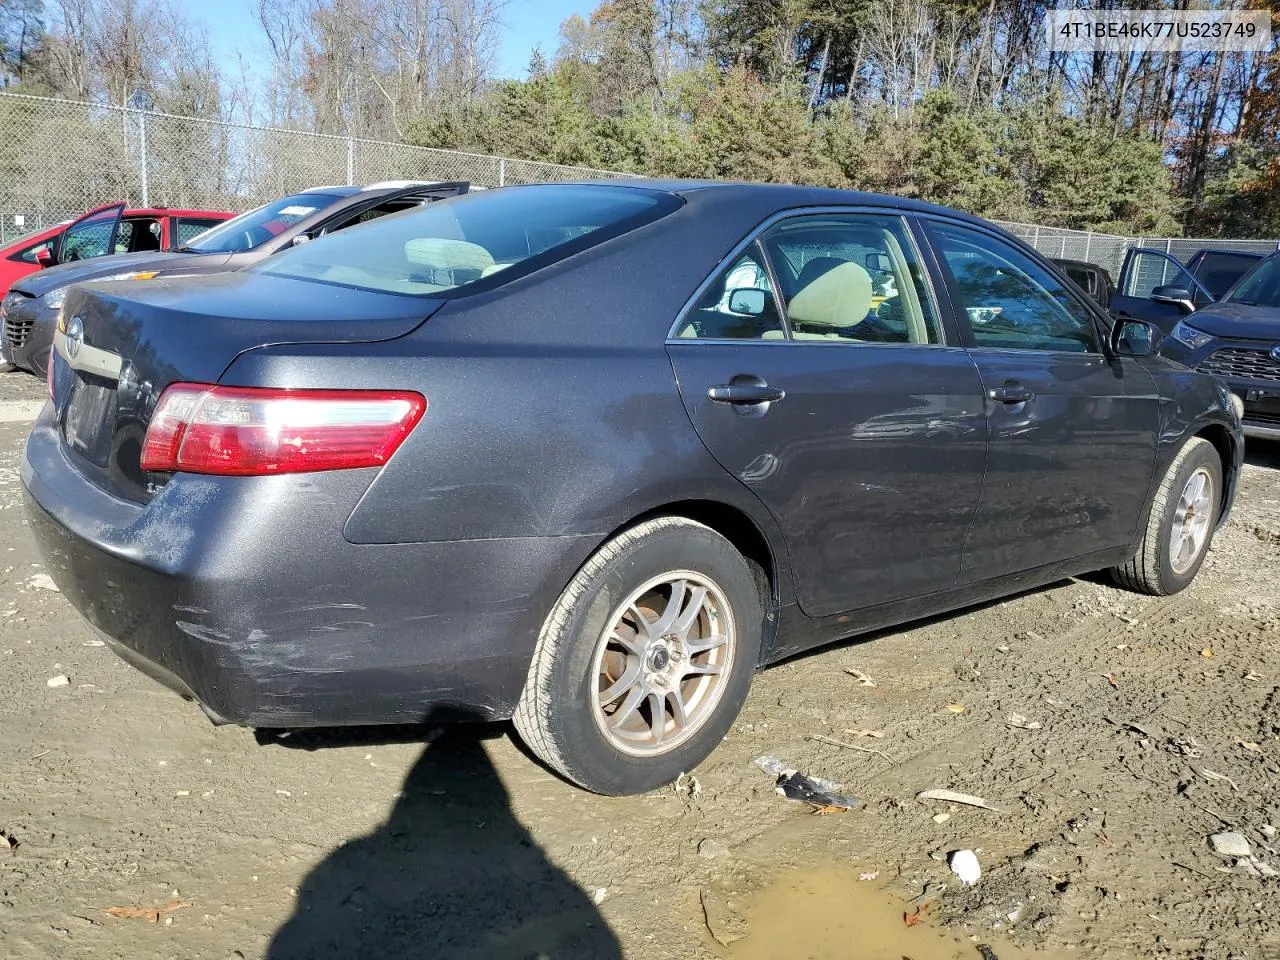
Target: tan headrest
[[443, 253], [841, 297]]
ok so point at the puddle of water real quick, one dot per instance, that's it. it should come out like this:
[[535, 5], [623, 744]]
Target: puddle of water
[[827, 913]]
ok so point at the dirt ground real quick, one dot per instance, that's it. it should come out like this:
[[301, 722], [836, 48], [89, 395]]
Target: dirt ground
[[1143, 726]]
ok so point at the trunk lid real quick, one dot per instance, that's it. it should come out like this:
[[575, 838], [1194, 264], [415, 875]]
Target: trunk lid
[[120, 344]]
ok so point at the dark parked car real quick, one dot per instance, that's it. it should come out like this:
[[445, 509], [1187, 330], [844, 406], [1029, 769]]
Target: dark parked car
[[1091, 278], [1238, 339], [29, 312], [587, 455], [1153, 284]]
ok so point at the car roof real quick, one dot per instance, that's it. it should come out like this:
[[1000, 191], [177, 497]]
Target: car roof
[[1251, 254], [174, 212], [780, 195]]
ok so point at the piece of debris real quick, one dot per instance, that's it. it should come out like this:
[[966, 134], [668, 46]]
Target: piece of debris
[[941, 818], [1111, 680], [1188, 747], [93, 643], [848, 746], [1251, 675], [862, 678], [710, 848], [1019, 722], [724, 925], [950, 796], [956, 707], [61, 680], [869, 875], [985, 952], [794, 785], [915, 916], [1003, 648], [8, 841], [283, 793], [1231, 844], [147, 913], [1122, 646], [42, 581], [600, 895], [1123, 619], [864, 732], [1248, 745], [1219, 777], [1268, 831], [964, 864], [1207, 653], [687, 786], [1032, 635]]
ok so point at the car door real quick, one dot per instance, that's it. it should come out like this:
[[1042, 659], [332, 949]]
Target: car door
[[821, 376], [1072, 431], [93, 235], [1144, 271]]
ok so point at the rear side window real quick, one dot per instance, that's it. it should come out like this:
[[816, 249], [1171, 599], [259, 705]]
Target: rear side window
[[447, 245], [28, 254], [191, 227], [1218, 271]]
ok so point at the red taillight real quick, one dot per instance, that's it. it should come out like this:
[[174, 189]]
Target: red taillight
[[245, 431]]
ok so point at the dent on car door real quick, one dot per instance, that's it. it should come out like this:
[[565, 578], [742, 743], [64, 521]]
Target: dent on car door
[[1149, 274], [819, 375], [1073, 430]]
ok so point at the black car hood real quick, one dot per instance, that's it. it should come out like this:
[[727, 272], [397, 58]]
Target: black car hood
[[44, 281], [1238, 321]]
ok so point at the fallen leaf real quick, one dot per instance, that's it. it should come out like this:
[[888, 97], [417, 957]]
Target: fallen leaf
[[1207, 653], [8, 841], [915, 916], [1122, 646], [1251, 675], [862, 678], [1111, 680], [1104, 839], [956, 707], [147, 913], [863, 732], [1248, 745], [822, 809]]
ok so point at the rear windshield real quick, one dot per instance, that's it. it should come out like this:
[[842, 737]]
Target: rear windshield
[[256, 227], [452, 243]]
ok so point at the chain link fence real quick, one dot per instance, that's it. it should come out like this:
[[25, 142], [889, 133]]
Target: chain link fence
[[1108, 250], [59, 158]]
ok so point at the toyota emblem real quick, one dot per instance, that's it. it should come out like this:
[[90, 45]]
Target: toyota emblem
[[75, 336], [1275, 353]]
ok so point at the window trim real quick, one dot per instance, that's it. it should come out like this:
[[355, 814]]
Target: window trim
[[945, 333], [1101, 325]]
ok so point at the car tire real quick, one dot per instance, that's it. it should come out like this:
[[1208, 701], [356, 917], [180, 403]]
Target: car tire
[[576, 712], [1180, 524]]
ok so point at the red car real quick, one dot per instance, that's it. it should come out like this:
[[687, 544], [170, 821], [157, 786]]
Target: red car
[[152, 228]]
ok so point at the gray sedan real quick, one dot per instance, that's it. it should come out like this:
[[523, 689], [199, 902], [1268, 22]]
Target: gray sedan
[[586, 456]]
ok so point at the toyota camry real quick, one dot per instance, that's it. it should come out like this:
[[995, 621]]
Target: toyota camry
[[586, 456]]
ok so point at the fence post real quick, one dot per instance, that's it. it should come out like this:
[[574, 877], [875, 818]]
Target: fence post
[[142, 150], [1088, 241], [351, 161], [502, 171]]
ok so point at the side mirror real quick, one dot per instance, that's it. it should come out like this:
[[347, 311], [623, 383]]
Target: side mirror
[[299, 240], [44, 257], [1178, 296], [1135, 338], [748, 300]]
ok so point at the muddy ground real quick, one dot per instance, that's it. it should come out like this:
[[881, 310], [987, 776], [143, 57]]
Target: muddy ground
[[1158, 725]]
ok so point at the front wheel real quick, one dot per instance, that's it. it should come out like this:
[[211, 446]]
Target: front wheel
[[1181, 523], [645, 660]]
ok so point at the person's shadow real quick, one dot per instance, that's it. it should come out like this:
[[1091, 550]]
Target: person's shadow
[[451, 874]]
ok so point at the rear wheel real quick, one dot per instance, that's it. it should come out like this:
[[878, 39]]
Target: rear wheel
[[1181, 523], [645, 660]]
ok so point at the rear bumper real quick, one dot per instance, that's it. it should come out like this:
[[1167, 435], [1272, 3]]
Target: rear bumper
[[243, 594]]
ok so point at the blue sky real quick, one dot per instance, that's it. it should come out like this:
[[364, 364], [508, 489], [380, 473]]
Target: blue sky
[[233, 28]]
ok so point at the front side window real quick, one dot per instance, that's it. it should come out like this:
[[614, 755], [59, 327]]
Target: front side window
[[851, 278], [256, 227], [452, 243], [739, 304], [1011, 302]]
